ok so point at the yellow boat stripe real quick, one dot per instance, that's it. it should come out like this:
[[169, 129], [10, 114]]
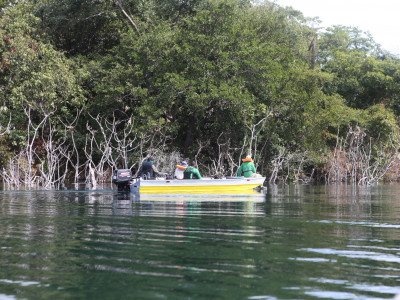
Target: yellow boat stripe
[[194, 189]]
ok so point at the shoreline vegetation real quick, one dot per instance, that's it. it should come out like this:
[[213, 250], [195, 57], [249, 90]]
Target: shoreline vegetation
[[87, 87]]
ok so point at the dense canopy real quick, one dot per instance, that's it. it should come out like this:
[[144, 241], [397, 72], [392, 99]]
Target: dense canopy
[[90, 86]]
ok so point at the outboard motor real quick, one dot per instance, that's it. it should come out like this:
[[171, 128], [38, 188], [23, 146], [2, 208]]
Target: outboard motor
[[122, 178]]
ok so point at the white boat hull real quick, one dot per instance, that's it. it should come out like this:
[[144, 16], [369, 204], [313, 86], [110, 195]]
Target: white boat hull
[[205, 185]]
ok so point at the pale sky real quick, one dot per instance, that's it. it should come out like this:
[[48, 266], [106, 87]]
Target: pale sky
[[381, 18]]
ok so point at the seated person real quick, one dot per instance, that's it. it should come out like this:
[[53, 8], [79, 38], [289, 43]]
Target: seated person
[[191, 172], [247, 168], [148, 170], [180, 169]]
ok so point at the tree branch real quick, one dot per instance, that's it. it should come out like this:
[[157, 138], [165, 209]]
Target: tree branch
[[119, 4]]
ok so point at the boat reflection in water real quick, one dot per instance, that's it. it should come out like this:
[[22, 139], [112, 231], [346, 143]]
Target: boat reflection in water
[[244, 202]]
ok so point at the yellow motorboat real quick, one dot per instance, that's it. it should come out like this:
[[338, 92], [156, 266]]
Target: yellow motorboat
[[229, 185]]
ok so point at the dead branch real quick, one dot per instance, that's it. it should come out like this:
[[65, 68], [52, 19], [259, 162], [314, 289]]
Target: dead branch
[[29, 177], [353, 159], [76, 165], [121, 7], [6, 130]]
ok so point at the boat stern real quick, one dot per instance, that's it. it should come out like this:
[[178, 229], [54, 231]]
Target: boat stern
[[135, 186]]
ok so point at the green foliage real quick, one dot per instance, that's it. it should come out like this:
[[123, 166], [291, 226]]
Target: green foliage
[[195, 74], [363, 76], [4, 4], [381, 124], [33, 73], [80, 27]]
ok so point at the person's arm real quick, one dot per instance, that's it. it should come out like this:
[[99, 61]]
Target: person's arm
[[240, 170], [195, 171], [156, 173], [253, 168]]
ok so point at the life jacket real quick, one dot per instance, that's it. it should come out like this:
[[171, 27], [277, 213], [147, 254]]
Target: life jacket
[[247, 159], [188, 174], [183, 168], [147, 169]]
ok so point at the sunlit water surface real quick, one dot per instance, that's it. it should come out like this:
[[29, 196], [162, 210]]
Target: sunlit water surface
[[294, 242]]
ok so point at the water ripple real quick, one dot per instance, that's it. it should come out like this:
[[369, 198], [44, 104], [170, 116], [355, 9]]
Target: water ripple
[[22, 282], [72, 245], [355, 254], [7, 297]]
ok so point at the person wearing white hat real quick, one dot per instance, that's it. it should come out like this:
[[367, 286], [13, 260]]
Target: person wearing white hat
[[180, 169]]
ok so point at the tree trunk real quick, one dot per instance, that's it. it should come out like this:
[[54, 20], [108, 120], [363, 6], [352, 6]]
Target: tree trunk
[[189, 139]]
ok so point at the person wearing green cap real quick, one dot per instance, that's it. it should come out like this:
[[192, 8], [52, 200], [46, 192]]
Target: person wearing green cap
[[148, 170]]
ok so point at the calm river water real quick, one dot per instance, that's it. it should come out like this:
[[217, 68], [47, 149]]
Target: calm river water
[[293, 242]]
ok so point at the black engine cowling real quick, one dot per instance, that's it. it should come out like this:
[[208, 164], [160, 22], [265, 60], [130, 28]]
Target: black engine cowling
[[122, 178]]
